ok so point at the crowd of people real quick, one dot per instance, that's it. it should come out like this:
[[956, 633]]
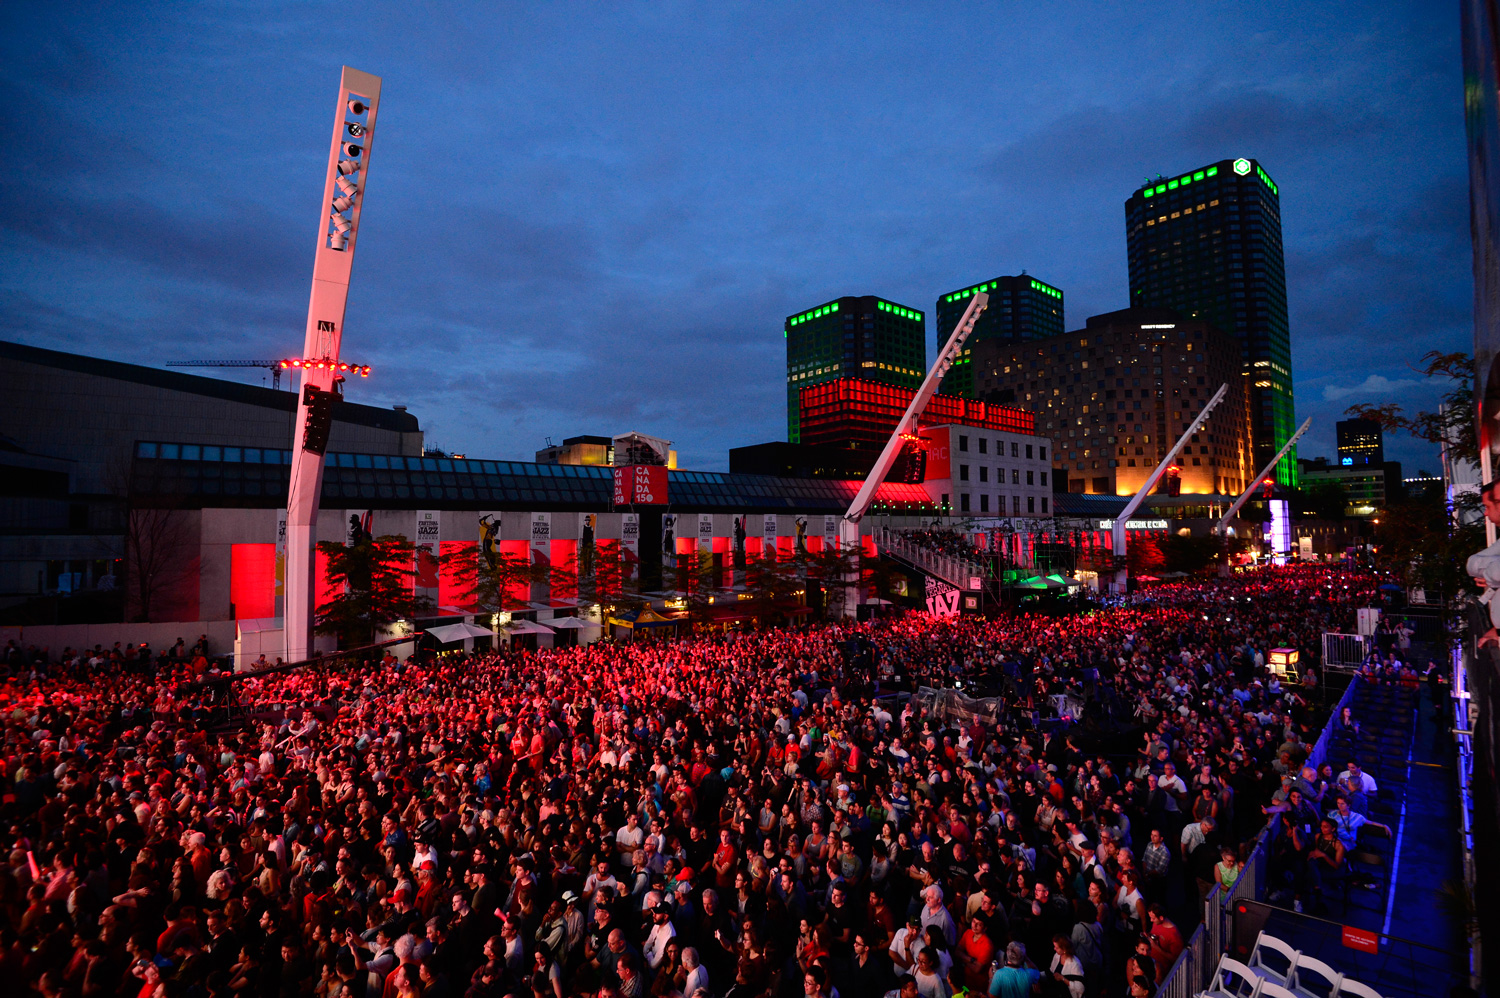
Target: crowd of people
[[951, 543], [716, 817]]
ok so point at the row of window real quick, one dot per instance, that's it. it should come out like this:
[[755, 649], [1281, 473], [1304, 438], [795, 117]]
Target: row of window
[[1015, 447], [966, 504], [1015, 475]]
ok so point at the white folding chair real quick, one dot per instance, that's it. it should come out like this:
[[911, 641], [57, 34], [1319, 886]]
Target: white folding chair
[[1283, 959], [1233, 979], [1270, 989], [1350, 988], [1312, 978]]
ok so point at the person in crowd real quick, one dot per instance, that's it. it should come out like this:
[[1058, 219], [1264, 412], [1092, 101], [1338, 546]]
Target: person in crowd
[[720, 814]]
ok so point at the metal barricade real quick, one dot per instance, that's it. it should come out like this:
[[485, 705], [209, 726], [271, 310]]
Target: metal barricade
[[1345, 652]]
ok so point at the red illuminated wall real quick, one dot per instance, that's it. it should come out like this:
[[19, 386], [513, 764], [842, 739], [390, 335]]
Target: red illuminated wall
[[252, 580], [521, 552], [326, 591], [565, 568], [938, 464], [450, 587]]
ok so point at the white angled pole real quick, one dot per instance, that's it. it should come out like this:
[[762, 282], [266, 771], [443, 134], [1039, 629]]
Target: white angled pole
[[1265, 472], [338, 230], [1150, 483]]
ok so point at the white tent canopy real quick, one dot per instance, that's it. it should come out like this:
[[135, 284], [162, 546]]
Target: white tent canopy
[[526, 627], [458, 632], [572, 623]]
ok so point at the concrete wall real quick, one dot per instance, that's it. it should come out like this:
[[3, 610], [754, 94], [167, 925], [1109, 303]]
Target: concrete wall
[[56, 637]]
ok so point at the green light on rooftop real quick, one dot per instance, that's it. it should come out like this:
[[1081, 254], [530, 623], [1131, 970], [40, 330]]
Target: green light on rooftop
[[1171, 185], [1186, 181], [1242, 166], [1198, 175], [1213, 171], [1161, 188]]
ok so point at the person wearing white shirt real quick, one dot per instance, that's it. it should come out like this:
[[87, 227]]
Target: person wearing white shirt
[[697, 975], [630, 836], [1355, 779], [661, 933]]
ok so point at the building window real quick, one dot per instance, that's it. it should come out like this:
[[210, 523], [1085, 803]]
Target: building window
[[1042, 451], [1029, 476], [984, 473], [984, 504], [963, 473], [963, 502], [963, 442], [1015, 448], [1015, 476], [1031, 504], [1044, 474], [945, 500], [983, 444], [1028, 452], [1015, 505], [1044, 504]]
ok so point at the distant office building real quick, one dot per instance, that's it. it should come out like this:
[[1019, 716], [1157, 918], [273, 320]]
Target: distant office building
[[1367, 488], [973, 471], [1021, 308], [1208, 243], [1116, 394], [1360, 442], [862, 415], [786, 460], [852, 337], [579, 450], [1424, 487]]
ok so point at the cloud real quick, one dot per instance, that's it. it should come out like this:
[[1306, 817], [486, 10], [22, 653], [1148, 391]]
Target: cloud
[[1375, 384]]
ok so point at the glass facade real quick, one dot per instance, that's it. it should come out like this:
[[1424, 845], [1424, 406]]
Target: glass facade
[[1208, 243], [852, 412], [1021, 309], [865, 337], [258, 477]]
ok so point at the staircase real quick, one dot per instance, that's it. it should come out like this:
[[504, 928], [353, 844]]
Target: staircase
[[957, 572]]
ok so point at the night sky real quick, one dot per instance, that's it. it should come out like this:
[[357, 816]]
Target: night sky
[[593, 218]]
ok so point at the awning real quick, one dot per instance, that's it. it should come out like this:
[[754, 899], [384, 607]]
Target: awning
[[644, 617], [457, 632], [527, 627]]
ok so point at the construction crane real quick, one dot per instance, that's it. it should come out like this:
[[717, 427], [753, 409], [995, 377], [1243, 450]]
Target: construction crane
[[274, 366]]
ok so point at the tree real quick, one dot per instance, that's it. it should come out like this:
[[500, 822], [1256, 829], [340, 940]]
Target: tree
[[1143, 554], [492, 581], [373, 583], [159, 546], [1452, 425]]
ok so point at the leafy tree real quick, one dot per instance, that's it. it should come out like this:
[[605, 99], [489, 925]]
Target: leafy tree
[[492, 582], [373, 583], [1144, 555], [1452, 425]]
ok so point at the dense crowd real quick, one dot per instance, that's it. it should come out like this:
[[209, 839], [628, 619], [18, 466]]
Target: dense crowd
[[945, 542], [718, 817]]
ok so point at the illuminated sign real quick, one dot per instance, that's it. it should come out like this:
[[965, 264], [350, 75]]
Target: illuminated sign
[[645, 484], [1242, 166], [1135, 525]]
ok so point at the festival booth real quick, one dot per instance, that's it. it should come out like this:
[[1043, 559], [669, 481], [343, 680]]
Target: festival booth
[[643, 622]]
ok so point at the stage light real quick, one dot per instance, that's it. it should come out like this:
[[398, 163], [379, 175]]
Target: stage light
[[343, 367], [347, 187], [353, 151], [297, 363], [342, 203], [356, 129], [364, 372], [356, 107], [285, 365], [347, 167], [337, 241], [342, 224]]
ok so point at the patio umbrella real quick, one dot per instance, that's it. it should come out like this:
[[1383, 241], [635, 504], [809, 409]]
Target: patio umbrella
[[527, 627], [572, 623], [457, 632]]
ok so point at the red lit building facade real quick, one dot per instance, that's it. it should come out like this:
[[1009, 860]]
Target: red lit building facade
[[861, 415]]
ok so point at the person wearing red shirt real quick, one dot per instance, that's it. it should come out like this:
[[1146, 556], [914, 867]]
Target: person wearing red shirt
[[976, 950]]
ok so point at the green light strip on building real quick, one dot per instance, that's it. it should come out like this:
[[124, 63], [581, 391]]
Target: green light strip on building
[[814, 314], [905, 313], [1182, 181]]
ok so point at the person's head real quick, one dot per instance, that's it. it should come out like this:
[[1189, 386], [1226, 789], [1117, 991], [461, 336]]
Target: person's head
[[1062, 946], [1491, 499], [1015, 954], [927, 960]]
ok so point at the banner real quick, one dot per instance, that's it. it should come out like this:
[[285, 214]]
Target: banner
[[942, 599], [541, 539], [831, 532], [587, 532], [630, 545], [489, 538], [280, 602], [800, 546], [768, 536], [705, 533], [669, 538], [741, 530], [429, 539], [643, 484], [357, 526]]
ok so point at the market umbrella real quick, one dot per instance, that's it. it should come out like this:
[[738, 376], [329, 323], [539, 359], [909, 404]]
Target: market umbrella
[[457, 632], [572, 623], [527, 627]]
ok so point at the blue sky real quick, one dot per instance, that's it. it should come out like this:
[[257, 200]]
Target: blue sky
[[592, 218]]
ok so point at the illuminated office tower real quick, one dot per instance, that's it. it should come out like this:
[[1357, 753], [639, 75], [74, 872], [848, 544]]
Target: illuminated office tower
[[1208, 244], [1021, 309], [852, 337]]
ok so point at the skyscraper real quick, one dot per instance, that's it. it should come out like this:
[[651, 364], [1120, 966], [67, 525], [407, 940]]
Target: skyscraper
[[1208, 243], [852, 337], [1021, 308], [1360, 442]]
